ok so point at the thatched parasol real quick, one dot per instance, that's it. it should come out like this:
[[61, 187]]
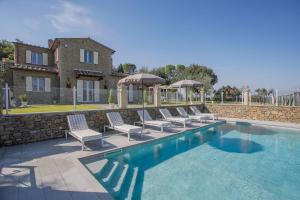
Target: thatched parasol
[[186, 84], [143, 80]]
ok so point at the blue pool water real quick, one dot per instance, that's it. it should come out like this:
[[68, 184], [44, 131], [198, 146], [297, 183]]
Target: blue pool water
[[226, 161]]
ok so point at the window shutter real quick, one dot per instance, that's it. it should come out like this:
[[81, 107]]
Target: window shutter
[[47, 84], [81, 55], [96, 57], [28, 56], [45, 59], [28, 83], [96, 91], [79, 90]]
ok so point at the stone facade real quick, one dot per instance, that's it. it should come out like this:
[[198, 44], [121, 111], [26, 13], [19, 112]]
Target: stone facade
[[19, 87], [63, 57], [69, 59], [20, 53], [265, 113]]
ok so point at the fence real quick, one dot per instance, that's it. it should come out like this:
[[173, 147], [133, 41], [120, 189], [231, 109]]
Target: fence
[[277, 98], [39, 98]]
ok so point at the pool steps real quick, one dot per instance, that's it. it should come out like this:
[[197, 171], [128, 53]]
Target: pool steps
[[114, 174], [111, 173], [132, 183], [121, 179]]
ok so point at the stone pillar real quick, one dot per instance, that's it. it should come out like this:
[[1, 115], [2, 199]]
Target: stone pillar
[[246, 92], [202, 96], [122, 97], [1, 98], [157, 95]]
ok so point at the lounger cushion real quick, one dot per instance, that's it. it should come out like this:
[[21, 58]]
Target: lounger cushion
[[86, 135], [127, 128], [179, 119], [158, 123]]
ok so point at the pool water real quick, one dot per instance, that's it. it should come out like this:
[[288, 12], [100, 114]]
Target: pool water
[[227, 161]]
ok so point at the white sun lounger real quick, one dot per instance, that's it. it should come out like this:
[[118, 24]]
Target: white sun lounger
[[79, 129], [168, 117], [195, 110], [150, 122], [183, 113], [116, 122]]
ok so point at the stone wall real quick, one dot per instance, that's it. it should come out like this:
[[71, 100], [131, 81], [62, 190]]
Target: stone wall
[[19, 129], [265, 113], [26, 128]]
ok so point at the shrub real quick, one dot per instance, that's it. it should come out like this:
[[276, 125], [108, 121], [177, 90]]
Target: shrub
[[23, 98], [111, 98], [145, 97]]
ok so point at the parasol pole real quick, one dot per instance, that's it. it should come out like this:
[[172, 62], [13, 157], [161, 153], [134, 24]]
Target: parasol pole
[[143, 101]]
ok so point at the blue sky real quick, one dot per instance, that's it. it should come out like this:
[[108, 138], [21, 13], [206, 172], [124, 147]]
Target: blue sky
[[254, 42]]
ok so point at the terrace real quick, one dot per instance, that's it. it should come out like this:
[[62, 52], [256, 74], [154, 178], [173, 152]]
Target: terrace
[[52, 170]]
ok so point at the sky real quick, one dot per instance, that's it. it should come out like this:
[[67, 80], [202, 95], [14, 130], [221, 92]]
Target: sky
[[246, 42]]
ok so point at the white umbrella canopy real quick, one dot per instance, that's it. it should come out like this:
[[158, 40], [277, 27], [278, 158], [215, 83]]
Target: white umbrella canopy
[[141, 79], [185, 83]]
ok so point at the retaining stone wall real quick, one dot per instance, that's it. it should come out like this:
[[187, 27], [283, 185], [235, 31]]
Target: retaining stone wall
[[26, 128], [20, 129], [265, 113]]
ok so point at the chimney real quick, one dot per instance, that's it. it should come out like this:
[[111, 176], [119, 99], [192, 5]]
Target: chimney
[[50, 42]]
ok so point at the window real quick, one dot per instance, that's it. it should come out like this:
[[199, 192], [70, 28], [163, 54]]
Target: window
[[36, 58], [38, 84], [88, 57]]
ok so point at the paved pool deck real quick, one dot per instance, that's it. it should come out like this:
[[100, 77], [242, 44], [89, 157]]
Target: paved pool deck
[[51, 169]]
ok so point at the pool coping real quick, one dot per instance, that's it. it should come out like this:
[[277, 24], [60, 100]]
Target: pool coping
[[274, 124]]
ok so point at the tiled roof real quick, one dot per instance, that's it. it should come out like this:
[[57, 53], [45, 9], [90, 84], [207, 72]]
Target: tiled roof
[[31, 45], [39, 68], [80, 72], [119, 74]]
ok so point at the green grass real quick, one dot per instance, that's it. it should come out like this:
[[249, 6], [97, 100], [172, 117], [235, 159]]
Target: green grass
[[54, 108], [81, 107]]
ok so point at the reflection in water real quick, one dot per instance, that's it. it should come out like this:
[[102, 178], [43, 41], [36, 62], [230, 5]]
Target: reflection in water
[[236, 145], [251, 130]]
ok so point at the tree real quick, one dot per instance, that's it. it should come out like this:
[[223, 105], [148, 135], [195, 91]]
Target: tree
[[196, 72], [229, 93], [6, 50], [261, 94], [129, 68], [180, 68], [120, 69], [144, 70], [170, 71]]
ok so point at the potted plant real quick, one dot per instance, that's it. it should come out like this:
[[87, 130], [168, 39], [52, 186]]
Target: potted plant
[[111, 99], [24, 100], [13, 102]]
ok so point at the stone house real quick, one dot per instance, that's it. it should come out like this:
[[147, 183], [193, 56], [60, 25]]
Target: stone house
[[47, 75]]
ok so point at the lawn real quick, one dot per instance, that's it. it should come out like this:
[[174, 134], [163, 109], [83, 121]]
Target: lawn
[[55, 108], [80, 107]]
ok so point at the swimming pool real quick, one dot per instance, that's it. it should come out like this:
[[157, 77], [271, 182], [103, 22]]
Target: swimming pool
[[225, 161]]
